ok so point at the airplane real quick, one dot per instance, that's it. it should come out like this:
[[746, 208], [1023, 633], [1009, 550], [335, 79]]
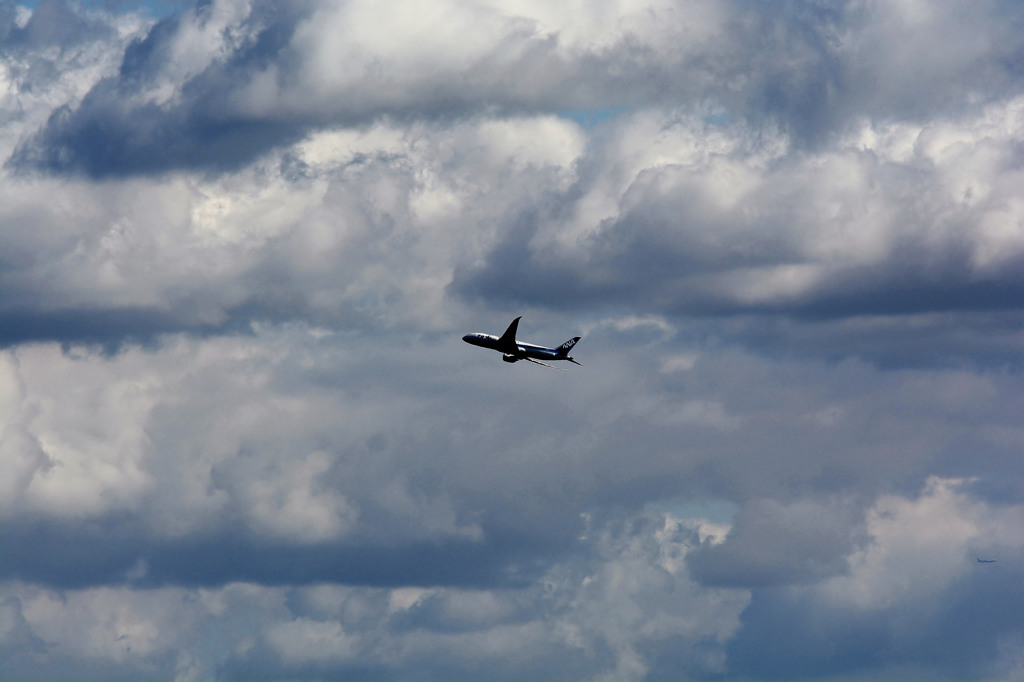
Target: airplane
[[986, 561], [514, 351]]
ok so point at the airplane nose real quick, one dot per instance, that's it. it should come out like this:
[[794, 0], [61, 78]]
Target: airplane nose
[[467, 337]]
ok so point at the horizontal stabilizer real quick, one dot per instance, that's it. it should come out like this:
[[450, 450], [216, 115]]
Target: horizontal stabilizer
[[544, 364]]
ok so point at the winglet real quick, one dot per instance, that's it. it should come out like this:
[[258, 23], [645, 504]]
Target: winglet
[[507, 342]]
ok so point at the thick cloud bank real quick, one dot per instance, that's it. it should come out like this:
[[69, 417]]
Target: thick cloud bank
[[240, 437]]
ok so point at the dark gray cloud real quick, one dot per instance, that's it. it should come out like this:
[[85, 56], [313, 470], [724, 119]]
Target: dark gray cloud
[[794, 639], [108, 328], [110, 551], [786, 633]]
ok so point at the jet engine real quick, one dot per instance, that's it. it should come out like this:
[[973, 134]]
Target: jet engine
[[508, 357]]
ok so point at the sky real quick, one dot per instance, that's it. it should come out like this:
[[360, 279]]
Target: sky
[[240, 435]]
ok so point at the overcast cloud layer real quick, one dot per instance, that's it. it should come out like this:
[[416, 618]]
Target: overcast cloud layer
[[240, 438]]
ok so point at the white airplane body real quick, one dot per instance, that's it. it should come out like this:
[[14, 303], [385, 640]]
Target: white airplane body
[[513, 351]]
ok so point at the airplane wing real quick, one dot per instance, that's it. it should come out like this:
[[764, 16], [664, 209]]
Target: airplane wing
[[538, 362], [507, 342]]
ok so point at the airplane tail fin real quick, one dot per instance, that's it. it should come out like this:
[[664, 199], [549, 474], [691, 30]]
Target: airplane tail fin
[[564, 349], [507, 342]]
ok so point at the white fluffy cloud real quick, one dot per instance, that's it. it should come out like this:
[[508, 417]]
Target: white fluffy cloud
[[917, 547]]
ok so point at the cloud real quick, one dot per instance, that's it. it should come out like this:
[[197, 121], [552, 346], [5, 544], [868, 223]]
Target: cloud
[[52, 23], [217, 86], [272, 460], [152, 257], [563, 620], [769, 544], [913, 590], [713, 221], [240, 242], [691, 210]]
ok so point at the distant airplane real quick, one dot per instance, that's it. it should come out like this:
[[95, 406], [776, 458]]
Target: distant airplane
[[987, 561], [514, 351]]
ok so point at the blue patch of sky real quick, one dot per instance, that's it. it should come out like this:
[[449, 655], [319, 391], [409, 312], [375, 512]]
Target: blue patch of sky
[[156, 9], [720, 119], [713, 510], [588, 118]]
